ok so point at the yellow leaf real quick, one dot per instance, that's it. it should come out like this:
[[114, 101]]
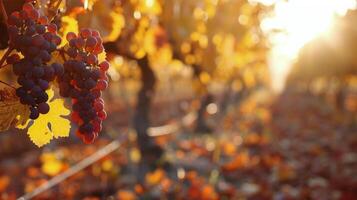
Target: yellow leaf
[[12, 112], [69, 24], [51, 125], [102, 57]]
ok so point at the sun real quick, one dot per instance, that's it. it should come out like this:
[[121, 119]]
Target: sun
[[298, 22]]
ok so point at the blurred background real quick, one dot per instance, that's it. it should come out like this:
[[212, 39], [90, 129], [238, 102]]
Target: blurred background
[[208, 99]]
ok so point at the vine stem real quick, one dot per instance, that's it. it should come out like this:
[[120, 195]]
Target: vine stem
[[4, 65], [62, 53], [7, 84], [58, 4], [7, 53], [3, 11], [55, 9]]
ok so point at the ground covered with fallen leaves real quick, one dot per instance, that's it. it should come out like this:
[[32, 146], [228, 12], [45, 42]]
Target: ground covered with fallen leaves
[[293, 146]]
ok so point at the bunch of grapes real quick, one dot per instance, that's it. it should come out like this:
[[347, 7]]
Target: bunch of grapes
[[83, 80], [35, 38]]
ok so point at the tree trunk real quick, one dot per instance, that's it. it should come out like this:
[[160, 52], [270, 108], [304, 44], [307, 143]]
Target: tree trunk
[[340, 96], [149, 150], [207, 98]]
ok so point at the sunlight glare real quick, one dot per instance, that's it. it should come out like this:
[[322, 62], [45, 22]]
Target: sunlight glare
[[299, 21], [150, 3]]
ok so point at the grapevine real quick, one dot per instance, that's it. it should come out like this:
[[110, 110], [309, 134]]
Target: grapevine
[[32, 45]]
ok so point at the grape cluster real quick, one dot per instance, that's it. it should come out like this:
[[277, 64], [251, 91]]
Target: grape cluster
[[35, 38], [83, 80]]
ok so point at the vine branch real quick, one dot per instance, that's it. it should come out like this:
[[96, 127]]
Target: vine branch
[[58, 5], [62, 53], [7, 84], [55, 9], [7, 53]]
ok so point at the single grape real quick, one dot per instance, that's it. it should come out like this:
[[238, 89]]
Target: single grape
[[48, 36], [42, 97], [43, 20], [95, 74], [97, 93], [79, 42], [34, 114], [91, 59], [104, 66], [52, 28], [98, 106], [89, 138], [21, 92], [72, 52], [28, 7], [32, 51], [102, 85], [56, 39], [24, 15], [43, 108], [90, 83], [38, 72], [30, 31], [28, 99], [46, 46], [36, 90], [58, 68], [70, 36], [44, 55], [86, 128], [91, 42], [40, 29], [28, 84], [95, 33], [34, 15], [102, 115], [44, 85], [85, 33], [98, 49]]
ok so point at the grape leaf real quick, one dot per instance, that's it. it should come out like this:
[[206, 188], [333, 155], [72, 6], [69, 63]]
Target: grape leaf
[[51, 125], [12, 112], [102, 56], [69, 24]]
